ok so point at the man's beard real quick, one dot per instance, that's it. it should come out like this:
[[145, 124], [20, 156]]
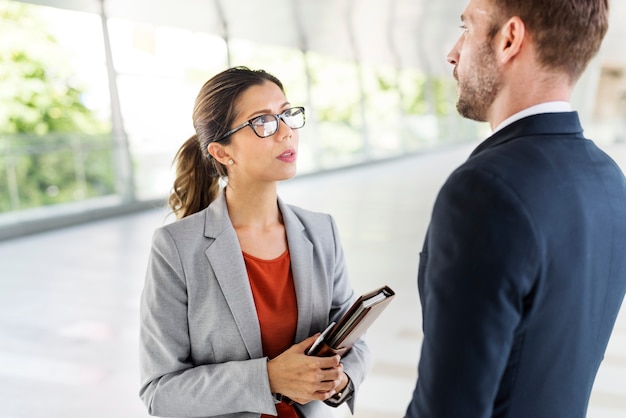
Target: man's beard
[[478, 90]]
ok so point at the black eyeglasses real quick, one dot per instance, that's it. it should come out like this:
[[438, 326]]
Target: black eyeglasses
[[267, 125]]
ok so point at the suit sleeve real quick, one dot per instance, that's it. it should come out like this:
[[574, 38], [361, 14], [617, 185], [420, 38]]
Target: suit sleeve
[[171, 385], [358, 360], [476, 277]]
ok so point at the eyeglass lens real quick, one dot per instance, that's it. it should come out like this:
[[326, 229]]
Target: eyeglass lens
[[267, 125]]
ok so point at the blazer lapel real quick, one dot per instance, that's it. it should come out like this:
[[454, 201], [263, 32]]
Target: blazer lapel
[[226, 259], [301, 254]]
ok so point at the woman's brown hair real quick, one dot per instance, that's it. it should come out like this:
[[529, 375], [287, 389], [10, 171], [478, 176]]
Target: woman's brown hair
[[197, 174]]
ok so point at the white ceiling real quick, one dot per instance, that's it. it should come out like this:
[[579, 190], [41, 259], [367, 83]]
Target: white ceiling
[[405, 33]]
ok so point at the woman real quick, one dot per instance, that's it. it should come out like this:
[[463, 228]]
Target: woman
[[238, 288]]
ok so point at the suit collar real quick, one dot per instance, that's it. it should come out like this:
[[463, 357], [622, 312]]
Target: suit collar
[[301, 253], [216, 218], [546, 107], [226, 260], [564, 123]]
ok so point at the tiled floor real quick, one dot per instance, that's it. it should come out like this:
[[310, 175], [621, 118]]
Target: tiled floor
[[69, 298]]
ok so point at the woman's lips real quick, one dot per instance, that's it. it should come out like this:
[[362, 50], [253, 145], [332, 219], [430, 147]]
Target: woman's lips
[[288, 156]]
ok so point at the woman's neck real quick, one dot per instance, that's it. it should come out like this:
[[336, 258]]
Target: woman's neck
[[255, 208]]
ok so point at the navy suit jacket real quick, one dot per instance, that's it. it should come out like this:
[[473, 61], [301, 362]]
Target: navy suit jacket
[[521, 276]]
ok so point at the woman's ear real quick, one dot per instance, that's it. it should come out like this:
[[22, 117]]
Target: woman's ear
[[218, 152], [510, 39]]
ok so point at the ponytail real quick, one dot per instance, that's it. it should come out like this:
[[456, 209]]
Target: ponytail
[[196, 184]]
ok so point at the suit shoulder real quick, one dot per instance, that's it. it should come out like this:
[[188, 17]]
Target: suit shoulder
[[188, 226]]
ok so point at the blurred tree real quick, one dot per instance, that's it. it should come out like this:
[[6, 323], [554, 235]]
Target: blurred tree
[[52, 148]]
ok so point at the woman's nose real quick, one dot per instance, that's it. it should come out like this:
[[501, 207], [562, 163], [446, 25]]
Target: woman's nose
[[284, 131]]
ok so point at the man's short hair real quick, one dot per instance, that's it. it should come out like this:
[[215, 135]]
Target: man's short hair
[[567, 33]]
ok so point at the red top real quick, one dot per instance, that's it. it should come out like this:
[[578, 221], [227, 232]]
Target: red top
[[274, 295]]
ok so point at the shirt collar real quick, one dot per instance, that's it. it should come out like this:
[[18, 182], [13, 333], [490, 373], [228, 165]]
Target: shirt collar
[[548, 107]]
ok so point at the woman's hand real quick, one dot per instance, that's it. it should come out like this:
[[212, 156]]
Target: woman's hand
[[305, 378]]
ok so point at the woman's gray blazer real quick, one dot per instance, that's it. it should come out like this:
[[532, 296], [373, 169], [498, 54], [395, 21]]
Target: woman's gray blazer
[[200, 342]]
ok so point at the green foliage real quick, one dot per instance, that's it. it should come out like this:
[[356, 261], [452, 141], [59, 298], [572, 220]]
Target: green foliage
[[48, 137]]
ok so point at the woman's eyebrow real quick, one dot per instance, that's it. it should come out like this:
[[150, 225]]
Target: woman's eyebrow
[[266, 111]]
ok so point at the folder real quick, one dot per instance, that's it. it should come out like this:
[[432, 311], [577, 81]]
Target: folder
[[339, 337]]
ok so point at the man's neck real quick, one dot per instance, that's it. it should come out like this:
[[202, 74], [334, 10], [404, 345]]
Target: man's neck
[[527, 89]]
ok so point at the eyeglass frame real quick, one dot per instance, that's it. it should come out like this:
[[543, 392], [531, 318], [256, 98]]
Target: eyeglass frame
[[278, 118]]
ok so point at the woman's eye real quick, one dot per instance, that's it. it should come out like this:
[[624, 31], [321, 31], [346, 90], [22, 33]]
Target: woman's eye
[[261, 120]]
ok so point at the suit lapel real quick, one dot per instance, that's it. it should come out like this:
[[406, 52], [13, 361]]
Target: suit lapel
[[301, 253], [226, 259]]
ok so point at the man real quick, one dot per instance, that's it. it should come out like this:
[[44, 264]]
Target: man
[[523, 269]]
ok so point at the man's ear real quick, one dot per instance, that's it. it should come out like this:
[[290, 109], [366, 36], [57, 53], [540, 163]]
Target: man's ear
[[510, 40], [218, 152]]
